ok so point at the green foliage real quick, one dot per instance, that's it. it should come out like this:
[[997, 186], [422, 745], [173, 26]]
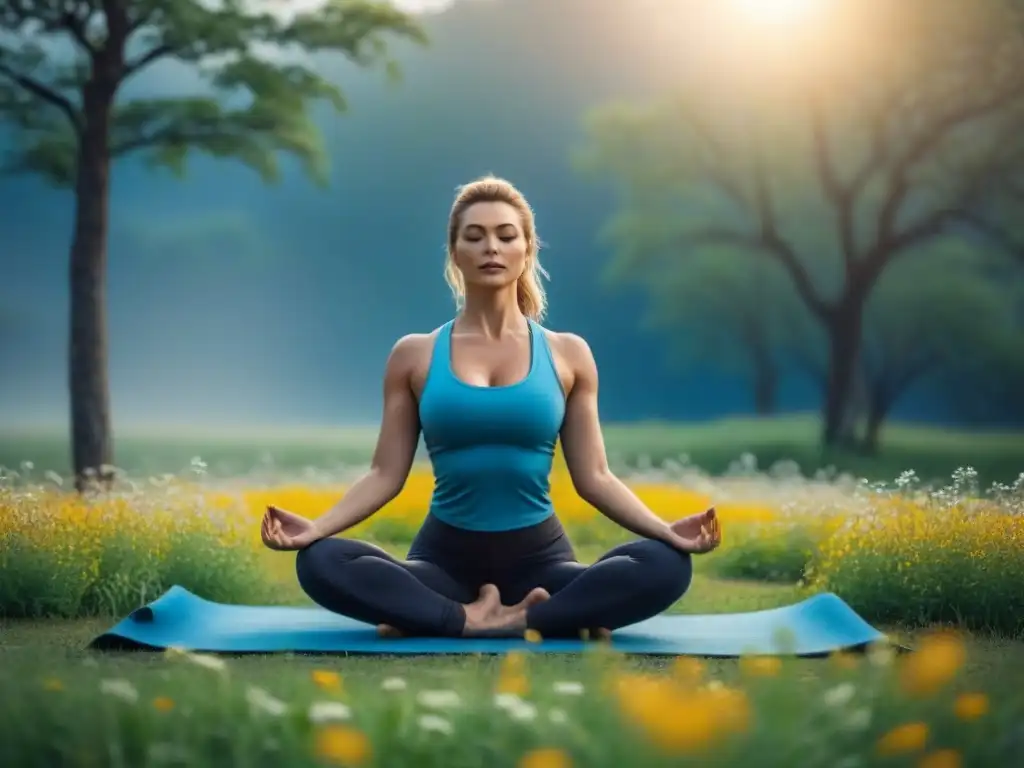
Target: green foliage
[[772, 552], [260, 66], [43, 582]]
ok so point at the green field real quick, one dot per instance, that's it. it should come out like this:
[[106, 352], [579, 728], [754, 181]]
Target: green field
[[54, 713], [64, 705], [715, 447]]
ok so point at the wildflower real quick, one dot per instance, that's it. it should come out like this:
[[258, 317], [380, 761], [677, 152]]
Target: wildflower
[[208, 661], [121, 689], [516, 707], [858, 720], [839, 696], [439, 699], [558, 716], [53, 684], [517, 684], [687, 669], [532, 636], [910, 737], [163, 704], [941, 758], [971, 706], [393, 684], [436, 724], [260, 700], [933, 665], [545, 758], [343, 745], [327, 679], [328, 711], [568, 687], [761, 666]]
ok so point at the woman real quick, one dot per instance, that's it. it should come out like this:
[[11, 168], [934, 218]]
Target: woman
[[492, 391]]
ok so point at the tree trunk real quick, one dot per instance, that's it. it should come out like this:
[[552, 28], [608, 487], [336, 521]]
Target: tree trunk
[[844, 353], [91, 440], [766, 383], [873, 430]]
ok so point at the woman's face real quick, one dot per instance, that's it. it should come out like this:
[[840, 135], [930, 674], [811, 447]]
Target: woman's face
[[490, 248]]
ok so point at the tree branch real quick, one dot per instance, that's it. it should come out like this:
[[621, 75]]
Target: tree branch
[[994, 234], [143, 61], [926, 143], [44, 93], [839, 194], [776, 247]]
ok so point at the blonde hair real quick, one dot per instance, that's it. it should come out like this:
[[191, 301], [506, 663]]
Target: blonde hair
[[491, 189]]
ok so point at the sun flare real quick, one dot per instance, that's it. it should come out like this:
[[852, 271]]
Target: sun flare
[[780, 12]]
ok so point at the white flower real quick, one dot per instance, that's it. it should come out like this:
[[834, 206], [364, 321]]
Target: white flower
[[208, 661], [121, 689], [327, 711], [568, 687], [262, 701], [435, 723], [558, 716], [840, 696], [439, 699], [393, 684], [858, 720], [515, 706]]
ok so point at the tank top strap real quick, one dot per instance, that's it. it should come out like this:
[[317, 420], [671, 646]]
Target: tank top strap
[[543, 359], [440, 356]]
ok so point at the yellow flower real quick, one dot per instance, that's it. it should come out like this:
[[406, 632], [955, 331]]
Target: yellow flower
[[327, 679], [687, 670], [677, 718], [53, 684], [163, 704], [545, 758], [971, 706], [935, 663], [342, 745], [760, 666], [910, 737], [941, 758], [532, 636], [513, 682]]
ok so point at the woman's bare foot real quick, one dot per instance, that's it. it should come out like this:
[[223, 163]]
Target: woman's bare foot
[[386, 630]]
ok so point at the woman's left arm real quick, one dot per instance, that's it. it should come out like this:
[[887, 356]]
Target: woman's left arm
[[585, 454]]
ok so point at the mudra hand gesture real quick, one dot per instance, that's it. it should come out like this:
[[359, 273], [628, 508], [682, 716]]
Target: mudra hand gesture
[[283, 530], [696, 534]]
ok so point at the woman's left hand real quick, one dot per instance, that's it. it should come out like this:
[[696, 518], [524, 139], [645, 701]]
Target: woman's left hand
[[696, 534]]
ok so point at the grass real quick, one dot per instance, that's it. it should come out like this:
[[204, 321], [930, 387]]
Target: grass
[[910, 559], [158, 709], [716, 447]]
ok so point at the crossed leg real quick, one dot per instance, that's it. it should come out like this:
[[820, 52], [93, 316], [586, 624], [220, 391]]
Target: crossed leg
[[362, 581], [630, 583]]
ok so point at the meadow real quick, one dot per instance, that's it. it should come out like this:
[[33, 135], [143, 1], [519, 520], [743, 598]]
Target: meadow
[[937, 565]]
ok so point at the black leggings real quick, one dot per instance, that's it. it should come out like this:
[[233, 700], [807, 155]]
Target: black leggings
[[446, 566]]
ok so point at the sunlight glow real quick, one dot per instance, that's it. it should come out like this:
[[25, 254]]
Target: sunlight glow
[[778, 12]]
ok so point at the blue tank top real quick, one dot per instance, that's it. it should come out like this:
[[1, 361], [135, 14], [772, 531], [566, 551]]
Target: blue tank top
[[491, 447]]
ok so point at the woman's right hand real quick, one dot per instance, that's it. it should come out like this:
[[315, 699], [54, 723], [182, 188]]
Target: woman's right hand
[[281, 530]]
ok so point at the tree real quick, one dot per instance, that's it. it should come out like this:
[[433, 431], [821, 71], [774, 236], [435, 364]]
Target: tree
[[929, 316], [877, 150], [63, 68], [725, 308]]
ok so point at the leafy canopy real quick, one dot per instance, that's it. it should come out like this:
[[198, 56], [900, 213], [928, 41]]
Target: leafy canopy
[[64, 62]]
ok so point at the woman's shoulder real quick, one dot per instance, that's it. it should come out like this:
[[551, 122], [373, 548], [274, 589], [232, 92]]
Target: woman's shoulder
[[412, 348], [571, 347]]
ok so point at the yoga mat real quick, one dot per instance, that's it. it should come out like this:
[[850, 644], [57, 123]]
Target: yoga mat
[[816, 626]]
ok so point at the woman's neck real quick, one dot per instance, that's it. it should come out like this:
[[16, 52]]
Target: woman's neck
[[492, 313]]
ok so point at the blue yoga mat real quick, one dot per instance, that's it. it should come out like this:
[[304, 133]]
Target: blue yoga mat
[[816, 626]]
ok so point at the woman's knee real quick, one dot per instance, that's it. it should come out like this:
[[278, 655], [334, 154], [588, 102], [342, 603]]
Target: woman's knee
[[668, 572]]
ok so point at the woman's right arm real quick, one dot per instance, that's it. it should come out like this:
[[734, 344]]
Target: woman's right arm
[[395, 450]]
